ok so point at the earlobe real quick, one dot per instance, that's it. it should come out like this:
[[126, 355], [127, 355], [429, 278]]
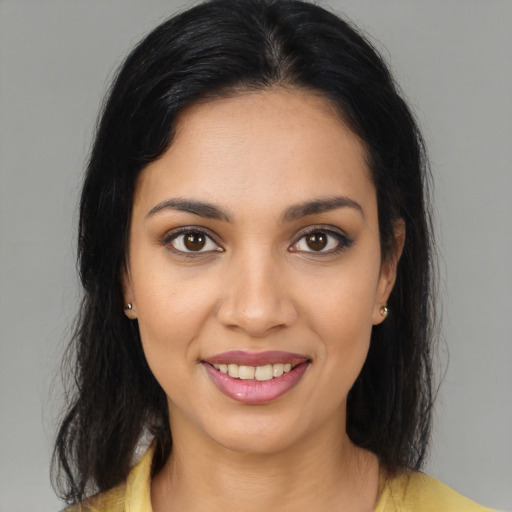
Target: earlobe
[[380, 313], [388, 274], [129, 302], [129, 311]]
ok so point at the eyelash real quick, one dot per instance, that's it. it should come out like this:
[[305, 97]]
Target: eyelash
[[176, 234], [342, 241]]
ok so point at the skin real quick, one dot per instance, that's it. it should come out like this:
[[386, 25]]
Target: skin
[[257, 286]]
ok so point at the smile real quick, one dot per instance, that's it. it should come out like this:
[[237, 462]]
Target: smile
[[256, 378], [260, 373]]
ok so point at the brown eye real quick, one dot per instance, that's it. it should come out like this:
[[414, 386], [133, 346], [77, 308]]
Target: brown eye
[[323, 242], [316, 241], [194, 241]]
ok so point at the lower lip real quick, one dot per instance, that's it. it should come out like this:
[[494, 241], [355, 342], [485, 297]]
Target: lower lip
[[254, 391]]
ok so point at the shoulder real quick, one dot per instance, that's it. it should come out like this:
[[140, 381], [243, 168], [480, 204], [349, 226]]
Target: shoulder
[[112, 500], [418, 492], [135, 492]]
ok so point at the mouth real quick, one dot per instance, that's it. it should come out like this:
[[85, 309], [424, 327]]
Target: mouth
[[256, 378], [259, 373]]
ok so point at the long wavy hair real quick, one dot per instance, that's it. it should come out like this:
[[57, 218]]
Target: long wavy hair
[[219, 48]]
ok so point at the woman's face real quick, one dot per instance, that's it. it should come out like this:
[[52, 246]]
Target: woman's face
[[255, 270]]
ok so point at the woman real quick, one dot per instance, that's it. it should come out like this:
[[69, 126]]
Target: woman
[[255, 250]]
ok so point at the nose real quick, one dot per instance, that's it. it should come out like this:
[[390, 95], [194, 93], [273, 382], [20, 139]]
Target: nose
[[257, 299]]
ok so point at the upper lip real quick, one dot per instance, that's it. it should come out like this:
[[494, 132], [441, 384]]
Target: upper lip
[[242, 358]]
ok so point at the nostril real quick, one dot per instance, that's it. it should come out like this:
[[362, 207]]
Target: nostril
[[257, 318]]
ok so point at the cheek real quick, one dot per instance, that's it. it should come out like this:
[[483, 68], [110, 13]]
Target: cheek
[[345, 331], [340, 313], [171, 312], [346, 340], [343, 300]]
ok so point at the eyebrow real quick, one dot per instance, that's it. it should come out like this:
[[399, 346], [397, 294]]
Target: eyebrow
[[320, 205], [200, 208], [294, 212]]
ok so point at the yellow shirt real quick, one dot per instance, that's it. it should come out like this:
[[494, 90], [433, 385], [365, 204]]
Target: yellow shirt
[[409, 492]]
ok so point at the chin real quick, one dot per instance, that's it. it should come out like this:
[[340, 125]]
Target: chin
[[252, 433], [253, 442]]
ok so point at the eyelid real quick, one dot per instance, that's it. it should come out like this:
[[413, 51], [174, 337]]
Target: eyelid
[[177, 232], [344, 241]]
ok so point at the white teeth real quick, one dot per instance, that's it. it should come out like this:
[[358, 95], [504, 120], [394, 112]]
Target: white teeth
[[263, 372], [277, 370], [260, 373], [246, 372], [233, 370]]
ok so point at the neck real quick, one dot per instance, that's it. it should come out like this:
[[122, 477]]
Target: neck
[[326, 472]]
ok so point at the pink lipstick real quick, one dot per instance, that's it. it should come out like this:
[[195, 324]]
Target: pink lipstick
[[256, 377]]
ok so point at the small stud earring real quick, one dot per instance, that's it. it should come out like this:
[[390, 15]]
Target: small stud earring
[[384, 311], [129, 311]]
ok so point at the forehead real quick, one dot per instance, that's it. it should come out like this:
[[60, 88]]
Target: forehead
[[265, 147]]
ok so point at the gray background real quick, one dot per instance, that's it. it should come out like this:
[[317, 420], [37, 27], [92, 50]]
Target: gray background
[[453, 59]]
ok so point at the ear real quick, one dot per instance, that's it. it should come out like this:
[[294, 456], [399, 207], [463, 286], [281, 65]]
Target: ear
[[388, 274], [130, 309]]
